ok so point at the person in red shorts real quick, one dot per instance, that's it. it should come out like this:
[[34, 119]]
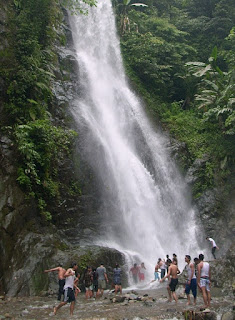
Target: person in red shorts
[[142, 272]]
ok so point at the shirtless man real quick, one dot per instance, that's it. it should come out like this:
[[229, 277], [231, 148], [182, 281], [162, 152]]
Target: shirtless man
[[69, 294], [135, 271], [204, 280], [172, 275], [61, 271], [191, 283]]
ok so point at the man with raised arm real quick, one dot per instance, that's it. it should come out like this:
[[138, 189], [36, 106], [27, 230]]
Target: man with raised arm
[[61, 271], [70, 283]]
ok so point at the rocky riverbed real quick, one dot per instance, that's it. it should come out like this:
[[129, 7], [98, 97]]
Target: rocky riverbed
[[151, 304]]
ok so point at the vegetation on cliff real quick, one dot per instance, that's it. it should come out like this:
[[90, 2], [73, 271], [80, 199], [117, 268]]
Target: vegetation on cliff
[[180, 57], [27, 69]]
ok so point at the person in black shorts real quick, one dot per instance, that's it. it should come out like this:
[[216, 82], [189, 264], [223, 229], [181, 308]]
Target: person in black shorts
[[172, 274], [70, 284]]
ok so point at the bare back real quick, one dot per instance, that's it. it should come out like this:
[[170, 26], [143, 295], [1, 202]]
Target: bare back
[[61, 272], [173, 271]]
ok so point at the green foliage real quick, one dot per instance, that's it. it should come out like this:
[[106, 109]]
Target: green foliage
[[157, 47], [204, 141], [156, 53], [78, 6], [41, 146], [216, 94], [27, 71], [85, 260]]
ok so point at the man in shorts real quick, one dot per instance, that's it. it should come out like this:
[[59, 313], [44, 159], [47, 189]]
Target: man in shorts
[[70, 283], [204, 280], [88, 281], [61, 279], [172, 275], [135, 271], [102, 279], [191, 283], [117, 279]]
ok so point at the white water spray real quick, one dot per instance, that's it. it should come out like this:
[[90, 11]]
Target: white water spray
[[146, 208]]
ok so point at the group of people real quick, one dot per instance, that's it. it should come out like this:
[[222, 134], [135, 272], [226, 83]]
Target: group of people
[[95, 280], [198, 276], [138, 272]]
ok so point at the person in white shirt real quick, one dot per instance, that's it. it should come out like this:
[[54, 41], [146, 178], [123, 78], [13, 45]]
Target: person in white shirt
[[204, 280], [70, 283], [214, 246]]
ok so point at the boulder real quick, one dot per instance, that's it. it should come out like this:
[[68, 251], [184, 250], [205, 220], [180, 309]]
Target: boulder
[[230, 315]]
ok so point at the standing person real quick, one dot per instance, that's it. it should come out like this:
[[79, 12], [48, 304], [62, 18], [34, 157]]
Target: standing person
[[168, 262], [214, 246], [191, 283], [70, 284], [196, 262], [102, 279], [172, 275], [88, 281], [135, 271], [204, 280], [162, 267], [61, 271], [175, 258], [117, 279], [156, 274], [95, 282], [142, 271]]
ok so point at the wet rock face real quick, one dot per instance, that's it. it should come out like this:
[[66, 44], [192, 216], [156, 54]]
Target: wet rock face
[[85, 256], [223, 272], [215, 207]]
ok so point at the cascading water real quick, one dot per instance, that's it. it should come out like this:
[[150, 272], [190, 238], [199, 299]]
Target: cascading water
[[146, 210]]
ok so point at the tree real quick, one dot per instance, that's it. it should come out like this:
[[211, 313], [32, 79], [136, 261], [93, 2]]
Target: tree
[[216, 96]]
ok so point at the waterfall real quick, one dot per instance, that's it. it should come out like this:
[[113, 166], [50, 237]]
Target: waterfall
[[146, 211]]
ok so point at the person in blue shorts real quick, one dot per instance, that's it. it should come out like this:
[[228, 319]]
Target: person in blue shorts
[[191, 284], [117, 279]]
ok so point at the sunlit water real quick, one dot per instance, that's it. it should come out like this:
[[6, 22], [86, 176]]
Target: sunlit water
[[146, 211]]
